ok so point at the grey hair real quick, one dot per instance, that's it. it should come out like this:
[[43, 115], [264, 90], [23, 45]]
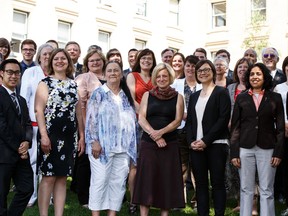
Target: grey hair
[[274, 50], [222, 60], [37, 58]]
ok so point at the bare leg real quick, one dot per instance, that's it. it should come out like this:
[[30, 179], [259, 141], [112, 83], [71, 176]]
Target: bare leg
[[144, 210], [95, 213], [111, 213], [59, 195], [131, 180], [44, 193], [164, 212]]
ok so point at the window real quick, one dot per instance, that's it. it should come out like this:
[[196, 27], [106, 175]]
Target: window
[[19, 29], [104, 40], [140, 44], [64, 33], [174, 12], [258, 9], [219, 14], [141, 7]]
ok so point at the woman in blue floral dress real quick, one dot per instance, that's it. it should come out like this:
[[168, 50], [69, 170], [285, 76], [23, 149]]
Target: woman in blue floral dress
[[58, 115]]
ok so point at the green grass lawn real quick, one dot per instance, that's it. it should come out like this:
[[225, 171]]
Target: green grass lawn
[[72, 208]]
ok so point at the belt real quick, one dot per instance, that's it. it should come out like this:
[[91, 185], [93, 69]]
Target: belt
[[34, 124]]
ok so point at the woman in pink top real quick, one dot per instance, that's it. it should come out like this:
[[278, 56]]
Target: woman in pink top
[[139, 81], [91, 78]]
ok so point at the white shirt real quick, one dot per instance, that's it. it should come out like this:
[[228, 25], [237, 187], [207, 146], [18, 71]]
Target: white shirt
[[29, 84]]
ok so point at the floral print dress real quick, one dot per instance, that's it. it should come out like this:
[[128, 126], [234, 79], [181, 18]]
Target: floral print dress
[[61, 125]]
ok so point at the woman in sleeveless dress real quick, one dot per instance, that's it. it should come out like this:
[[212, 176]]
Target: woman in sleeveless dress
[[159, 180], [58, 115]]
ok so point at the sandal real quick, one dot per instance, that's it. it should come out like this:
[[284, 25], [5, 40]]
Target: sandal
[[132, 209]]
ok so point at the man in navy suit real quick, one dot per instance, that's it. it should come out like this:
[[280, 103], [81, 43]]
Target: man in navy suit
[[73, 48], [15, 139], [270, 58]]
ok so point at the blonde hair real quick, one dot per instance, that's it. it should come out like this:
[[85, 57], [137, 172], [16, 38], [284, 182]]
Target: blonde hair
[[159, 67]]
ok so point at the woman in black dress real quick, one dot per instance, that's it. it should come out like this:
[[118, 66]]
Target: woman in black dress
[[159, 179], [58, 115]]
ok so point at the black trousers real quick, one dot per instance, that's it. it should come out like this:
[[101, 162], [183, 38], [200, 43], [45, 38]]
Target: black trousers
[[83, 174], [22, 175], [212, 160]]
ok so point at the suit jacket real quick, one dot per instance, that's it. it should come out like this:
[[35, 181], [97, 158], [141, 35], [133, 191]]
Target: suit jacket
[[279, 77], [14, 129], [215, 118], [78, 69], [264, 128]]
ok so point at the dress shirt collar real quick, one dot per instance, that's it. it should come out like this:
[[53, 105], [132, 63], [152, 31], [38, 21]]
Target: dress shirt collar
[[8, 90]]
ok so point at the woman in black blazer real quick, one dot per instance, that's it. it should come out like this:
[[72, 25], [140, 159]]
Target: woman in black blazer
[[207, 134], [257, 138]]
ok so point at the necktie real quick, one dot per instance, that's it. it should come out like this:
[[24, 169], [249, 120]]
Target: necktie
[[14, 99]]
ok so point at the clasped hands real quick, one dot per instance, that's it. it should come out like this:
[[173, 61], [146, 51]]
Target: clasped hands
[[198, 145], [23, 150], [156, 135]]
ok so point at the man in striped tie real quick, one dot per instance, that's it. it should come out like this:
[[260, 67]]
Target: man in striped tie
[[15, 139]]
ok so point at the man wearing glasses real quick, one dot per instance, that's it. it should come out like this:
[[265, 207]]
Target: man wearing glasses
[[270, 58], [15, 139], [28, 50]]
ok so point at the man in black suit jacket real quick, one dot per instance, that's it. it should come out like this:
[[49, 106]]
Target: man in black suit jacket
[[74, 50], [15, 139]]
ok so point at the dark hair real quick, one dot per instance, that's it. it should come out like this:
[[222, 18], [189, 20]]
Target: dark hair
[[240, 61], [284, 64], [123, 84], [202, 62], [112, 52], [73, 42], [94, 47], [166, 50], [133, 49], [70, 68], [137, 67], [53, 41], [268, 84], [88, 55], [223, 51], [29, 41], [9, 61], [4, 42], [202, 50], [192, 59]]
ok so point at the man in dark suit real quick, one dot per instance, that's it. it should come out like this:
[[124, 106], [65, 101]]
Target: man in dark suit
[[226, 55], [73, 48], [131, 60], [270, 58], [15, 139]]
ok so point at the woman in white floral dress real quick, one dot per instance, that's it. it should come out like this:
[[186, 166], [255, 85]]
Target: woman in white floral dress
[[58, 115]]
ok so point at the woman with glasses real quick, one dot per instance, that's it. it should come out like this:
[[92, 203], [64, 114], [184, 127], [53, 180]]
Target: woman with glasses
[[91, 78], [207, 135], [139, 82], [257, 139]]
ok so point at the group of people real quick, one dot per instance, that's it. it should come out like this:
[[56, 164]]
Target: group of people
[[150, 127]]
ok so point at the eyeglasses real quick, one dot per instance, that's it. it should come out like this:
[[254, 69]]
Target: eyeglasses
[[146, 59], [269, 54], [219, 65], [94, 60], [11, 72], [28, 50], [250, 55], [205, 70]]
